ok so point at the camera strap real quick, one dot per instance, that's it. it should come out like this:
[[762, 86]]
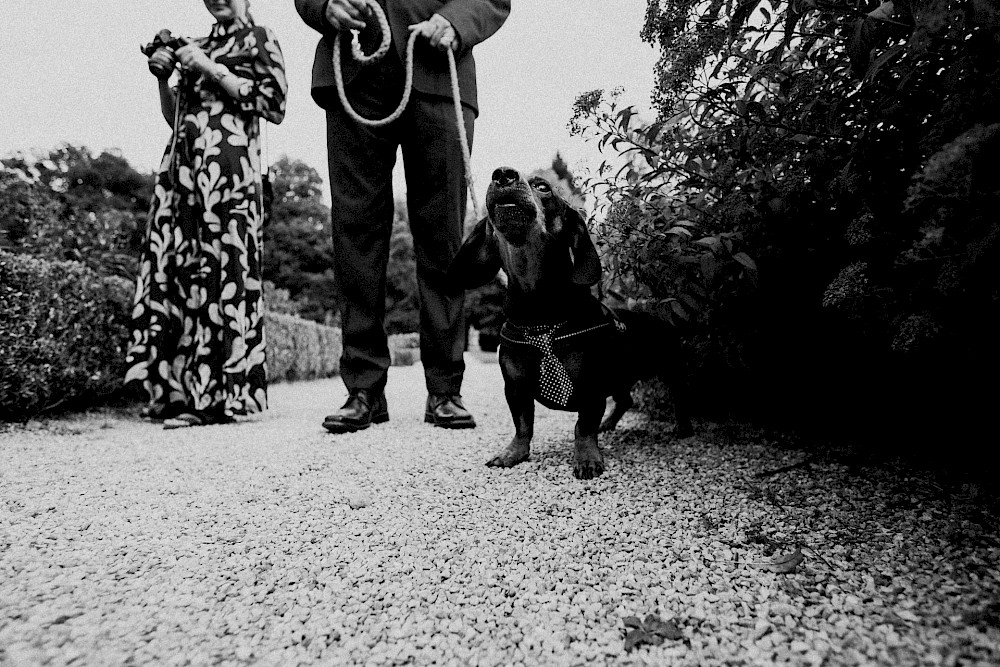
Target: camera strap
[[266, 186], [172, 164]]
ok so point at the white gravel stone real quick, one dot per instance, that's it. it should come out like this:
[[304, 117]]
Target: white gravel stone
[[270, 542]]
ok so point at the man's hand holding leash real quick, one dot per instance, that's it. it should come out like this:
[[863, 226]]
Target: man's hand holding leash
[[439, 32], [346, 14], [353, 15]]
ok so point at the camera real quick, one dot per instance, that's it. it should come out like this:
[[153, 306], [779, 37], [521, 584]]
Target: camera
[[163, 40]]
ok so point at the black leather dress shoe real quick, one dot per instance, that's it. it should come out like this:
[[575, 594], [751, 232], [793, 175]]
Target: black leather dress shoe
[[447, 411], [362, 409]]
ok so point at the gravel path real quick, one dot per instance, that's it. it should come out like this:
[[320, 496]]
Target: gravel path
[[270, 542]]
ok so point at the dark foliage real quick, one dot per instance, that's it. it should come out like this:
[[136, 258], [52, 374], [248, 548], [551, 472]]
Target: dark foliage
[[815, 206], [402, 301], [298, 248], [72, 205]]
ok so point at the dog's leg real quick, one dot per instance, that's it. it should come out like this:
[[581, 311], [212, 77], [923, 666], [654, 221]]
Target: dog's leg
[[622, 403], [682, 414], [588, 460], [522, 409]]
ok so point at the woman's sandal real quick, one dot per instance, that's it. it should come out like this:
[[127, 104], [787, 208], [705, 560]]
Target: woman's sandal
[[159, 412], [184, 420]]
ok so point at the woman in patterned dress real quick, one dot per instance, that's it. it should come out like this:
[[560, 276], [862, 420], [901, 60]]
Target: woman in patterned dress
[[198, 341]]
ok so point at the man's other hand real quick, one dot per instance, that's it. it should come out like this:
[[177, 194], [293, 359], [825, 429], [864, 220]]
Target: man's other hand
[[438, 31]]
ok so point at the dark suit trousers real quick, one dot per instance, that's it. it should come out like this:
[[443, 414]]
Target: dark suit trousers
[[361, 160]]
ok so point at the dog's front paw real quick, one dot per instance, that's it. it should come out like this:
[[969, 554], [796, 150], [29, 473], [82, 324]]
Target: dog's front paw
[[588, 469], [589, 462], [510, 456]]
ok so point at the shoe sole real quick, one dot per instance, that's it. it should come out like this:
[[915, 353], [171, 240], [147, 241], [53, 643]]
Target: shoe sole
[[344, 427], [463, 423]]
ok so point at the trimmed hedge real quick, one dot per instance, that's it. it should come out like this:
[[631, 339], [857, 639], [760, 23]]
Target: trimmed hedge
[[299, 349], [63, 331], [404, 349]]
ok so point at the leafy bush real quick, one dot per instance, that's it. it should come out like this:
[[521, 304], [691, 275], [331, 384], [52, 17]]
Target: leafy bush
[[813, 204], [299, 349], [404, 349], [62, 335], [64, 329]]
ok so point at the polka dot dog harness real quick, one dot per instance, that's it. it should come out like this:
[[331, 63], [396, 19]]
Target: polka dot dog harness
[[555, 386]]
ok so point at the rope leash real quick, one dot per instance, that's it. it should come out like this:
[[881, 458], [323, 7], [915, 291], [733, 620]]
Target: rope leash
[[376, 55]]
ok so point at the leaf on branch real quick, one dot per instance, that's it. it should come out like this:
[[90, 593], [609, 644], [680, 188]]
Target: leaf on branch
[[880, 62], [690, 302], [708, 266], [883, 12], [745, 260], [678, 309], [785, 563], [740, 16]]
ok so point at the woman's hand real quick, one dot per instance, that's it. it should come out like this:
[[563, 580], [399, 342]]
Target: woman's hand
[[191, 56], [439, 32], [162, 63]]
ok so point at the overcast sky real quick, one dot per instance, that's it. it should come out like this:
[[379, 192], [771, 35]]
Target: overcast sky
[[71, 71]]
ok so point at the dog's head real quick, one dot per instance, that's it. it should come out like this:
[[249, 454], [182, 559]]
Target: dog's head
[[531, 233]]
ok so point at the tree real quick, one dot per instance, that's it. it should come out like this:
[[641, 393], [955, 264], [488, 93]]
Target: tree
[[70, 204], [402, 299], [298, 251], [298, 248]]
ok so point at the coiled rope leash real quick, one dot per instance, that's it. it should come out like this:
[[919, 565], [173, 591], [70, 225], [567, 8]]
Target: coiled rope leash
[[376, 55]]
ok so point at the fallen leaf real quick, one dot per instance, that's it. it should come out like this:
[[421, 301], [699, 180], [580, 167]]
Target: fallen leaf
[[653, 630], [665, 629], [634, 638], [785, 563]]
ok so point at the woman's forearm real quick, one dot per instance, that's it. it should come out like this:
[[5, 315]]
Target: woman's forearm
[[234, 86], [166, 101]]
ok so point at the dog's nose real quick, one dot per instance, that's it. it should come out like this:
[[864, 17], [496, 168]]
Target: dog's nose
[[504, 176]]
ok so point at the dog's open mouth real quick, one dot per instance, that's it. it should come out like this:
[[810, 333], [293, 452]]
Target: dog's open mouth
[[513, 220]]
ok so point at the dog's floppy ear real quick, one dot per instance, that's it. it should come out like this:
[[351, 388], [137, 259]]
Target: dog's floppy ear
[[478, 260], [586, 263]]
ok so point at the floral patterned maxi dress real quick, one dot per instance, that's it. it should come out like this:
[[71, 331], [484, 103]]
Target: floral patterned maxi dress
[[198, 337]]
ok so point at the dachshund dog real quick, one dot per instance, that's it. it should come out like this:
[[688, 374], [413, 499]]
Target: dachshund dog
[[560, 345]]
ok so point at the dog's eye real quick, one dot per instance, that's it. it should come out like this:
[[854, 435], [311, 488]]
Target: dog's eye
[[541, 186]]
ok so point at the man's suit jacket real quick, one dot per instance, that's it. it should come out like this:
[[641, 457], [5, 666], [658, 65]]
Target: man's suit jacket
[[473, 20]]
